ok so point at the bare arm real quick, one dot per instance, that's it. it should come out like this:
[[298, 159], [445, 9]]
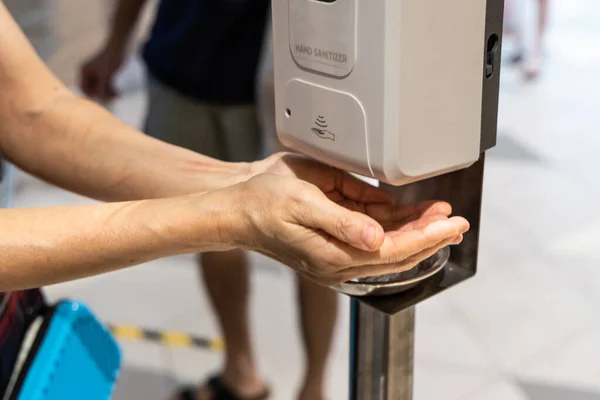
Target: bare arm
[[74, 143], [49, 245], [281, 217], [97, 74], [124, 21], [78, 145]]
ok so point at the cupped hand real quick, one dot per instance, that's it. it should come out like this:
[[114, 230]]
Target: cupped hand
[[334, 183], [335, 228]]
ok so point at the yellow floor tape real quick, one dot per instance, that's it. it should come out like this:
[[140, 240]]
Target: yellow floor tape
[[167, 338]]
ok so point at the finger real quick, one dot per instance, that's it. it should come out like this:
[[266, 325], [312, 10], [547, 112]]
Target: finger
[[392, 212], [336, 197], [425, 254], [422, 222], [363, 271], [457, 240], [435, 207], [355, 229], [358, 190], [353, 205], [428, 211], [382, 212], [399, 245], [394, 268], [415, 224]]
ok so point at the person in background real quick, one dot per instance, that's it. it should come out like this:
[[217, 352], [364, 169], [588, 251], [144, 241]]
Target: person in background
[[166, 200], [202, 60], [318, 304], [531, 62]]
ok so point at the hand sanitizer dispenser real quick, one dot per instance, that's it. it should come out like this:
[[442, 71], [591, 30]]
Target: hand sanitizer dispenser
[[406, 92], [390, 89]]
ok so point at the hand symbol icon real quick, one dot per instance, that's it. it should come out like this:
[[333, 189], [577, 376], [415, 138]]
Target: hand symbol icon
[[324, 134]]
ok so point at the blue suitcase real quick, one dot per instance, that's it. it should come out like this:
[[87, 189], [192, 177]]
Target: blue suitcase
[[67, 354]]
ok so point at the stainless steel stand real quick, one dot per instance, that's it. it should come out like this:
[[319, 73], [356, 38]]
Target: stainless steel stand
[[382, 328], [381, 358]]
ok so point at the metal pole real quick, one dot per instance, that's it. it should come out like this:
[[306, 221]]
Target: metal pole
[[381, 353]]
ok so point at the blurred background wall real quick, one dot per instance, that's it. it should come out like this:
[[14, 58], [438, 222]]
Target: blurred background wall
[[526, 328]]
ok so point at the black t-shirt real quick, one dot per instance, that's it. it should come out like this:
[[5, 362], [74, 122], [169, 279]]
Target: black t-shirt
[[208, 49]]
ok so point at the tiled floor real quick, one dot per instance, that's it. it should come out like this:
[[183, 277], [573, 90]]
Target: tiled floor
[[526, 328]]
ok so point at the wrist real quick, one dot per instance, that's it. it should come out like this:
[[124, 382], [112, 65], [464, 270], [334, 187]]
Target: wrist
[[185, 173], [265, 165], [216, 223], [240, 172], [186, 225], [205, 176]]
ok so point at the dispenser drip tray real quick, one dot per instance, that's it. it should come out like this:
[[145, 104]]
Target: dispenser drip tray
[[396, 283]]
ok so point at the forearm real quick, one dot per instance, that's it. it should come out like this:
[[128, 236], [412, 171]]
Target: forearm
[[78, 145], [49, 245], [124, 21]]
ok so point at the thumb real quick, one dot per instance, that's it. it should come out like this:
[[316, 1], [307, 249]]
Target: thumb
[[353, 228]]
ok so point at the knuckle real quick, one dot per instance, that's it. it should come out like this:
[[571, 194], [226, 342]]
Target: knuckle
[[344, 225], [340, 225], [305, 191]]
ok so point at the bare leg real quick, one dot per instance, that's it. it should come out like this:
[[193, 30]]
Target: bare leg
[[534, 64], [513, 27], [542, 23], [227, 282], [318, 305], [318, 313], [177, 120]]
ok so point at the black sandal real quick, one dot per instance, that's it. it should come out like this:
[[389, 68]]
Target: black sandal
[[219, 391]]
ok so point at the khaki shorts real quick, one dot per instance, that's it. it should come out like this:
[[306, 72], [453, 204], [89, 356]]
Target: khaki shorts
[[222, 132]]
